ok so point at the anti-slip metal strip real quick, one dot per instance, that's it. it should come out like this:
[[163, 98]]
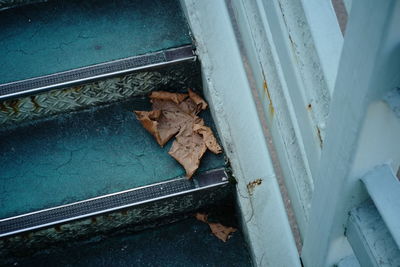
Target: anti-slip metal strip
[[71, 77], [111, 202]]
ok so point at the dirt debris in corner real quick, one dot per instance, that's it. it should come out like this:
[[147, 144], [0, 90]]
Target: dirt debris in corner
[[252, 185], [175, 114]]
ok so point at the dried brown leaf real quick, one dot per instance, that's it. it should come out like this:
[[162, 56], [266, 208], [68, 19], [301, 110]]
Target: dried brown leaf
[[200, 102], [174, 97], [149, 121], [222, 232], [188, 149], [208, 137], [175, 114], [201, 217]]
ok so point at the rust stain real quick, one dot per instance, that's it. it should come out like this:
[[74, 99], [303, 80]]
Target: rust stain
[[68, 90], [77, 88], [124, 212], [27, 235], [270, 106], [58, 228], [35, 103], [94, 220], [3, 107], [252, 185], [321, 142], [14, 104]]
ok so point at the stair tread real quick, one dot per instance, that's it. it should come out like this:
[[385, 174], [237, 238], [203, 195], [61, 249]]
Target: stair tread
[[187, 243], [57, 36], [81, 155], [113, 202]]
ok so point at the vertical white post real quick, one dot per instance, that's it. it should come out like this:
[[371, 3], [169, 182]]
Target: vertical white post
[[369, 65]]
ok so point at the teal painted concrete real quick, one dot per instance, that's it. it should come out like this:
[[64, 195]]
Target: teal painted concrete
[[187, 243], [57, 36], [81, 155]]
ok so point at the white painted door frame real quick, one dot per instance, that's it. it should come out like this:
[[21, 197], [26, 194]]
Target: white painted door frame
[[289, 95]]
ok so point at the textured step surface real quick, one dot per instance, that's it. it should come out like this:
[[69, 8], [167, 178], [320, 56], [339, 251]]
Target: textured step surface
[[187, 243], [113, 202], [81, 155], [96, 72], [45, 38]]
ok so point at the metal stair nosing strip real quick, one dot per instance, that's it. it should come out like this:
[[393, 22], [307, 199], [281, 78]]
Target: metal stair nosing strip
[[94, 72], [111, 202]]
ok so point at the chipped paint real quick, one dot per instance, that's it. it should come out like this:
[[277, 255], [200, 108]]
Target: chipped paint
[[270, 106], [319, 133], [293, 46], [321, 142]]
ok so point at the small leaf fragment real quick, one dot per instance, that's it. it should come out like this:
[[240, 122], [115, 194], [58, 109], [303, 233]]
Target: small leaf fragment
[[220, 231], [174, 97], [201, 217]]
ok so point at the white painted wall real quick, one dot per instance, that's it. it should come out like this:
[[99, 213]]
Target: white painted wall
[[368, 68], [379, 140], [228, 91], [263, 62]]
